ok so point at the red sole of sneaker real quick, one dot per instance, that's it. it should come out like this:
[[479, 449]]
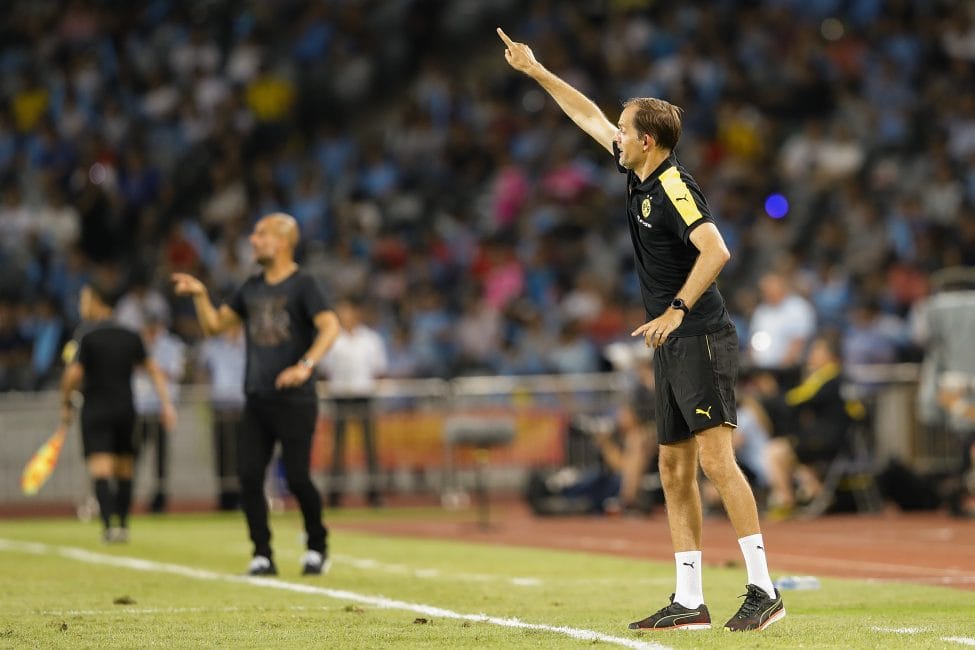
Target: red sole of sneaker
[[777, 616]]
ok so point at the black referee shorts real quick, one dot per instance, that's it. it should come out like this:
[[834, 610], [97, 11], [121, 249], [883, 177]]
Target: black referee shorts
[[695, 377], [108, 432]]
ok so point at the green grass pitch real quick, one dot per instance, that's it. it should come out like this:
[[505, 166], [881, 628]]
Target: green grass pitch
[[177, 584]]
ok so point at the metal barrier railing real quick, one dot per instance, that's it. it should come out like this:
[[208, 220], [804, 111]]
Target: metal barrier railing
[[412, 414]]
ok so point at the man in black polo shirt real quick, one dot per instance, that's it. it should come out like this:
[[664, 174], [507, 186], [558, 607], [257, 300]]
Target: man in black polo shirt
[[288, 328], [101, 361], [679, 253]]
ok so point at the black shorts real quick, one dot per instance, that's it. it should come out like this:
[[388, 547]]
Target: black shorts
[[108, 432], [695, 377]]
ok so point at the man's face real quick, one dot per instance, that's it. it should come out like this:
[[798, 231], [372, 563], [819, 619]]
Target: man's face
[[265, 241], [631, 145], [348, 315], [773, 289]]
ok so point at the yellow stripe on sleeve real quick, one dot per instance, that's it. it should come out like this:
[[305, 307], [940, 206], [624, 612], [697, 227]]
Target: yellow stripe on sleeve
[[680, 195], [69, 352]]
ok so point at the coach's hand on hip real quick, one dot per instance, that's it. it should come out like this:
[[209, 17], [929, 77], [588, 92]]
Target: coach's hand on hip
[[656, 331], [292, 376]]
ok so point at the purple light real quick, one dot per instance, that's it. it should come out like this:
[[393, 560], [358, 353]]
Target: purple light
[[776, 206]]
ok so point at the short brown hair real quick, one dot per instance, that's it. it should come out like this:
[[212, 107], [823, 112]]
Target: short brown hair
[[657, 118]]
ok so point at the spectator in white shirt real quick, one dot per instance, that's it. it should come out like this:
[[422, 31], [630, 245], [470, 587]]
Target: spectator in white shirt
[[781, 325], [353, 364]]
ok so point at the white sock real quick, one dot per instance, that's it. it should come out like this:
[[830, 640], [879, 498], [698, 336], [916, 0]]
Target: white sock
[[753, 548], [689, 592]]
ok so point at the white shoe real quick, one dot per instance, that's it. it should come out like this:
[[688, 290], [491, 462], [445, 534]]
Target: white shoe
[[261, 566], [314, 563]]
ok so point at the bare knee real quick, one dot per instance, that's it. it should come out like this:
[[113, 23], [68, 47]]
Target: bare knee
[[720, 469], [676, 473]]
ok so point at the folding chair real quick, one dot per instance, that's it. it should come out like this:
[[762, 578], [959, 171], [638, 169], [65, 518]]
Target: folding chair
[[853, 470]]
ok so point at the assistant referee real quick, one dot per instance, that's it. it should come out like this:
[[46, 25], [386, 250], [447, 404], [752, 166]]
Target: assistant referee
[[102, 359]]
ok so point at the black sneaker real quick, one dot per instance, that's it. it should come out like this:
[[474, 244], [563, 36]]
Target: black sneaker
[[158, 503], [757, 612], [676, 617], [314, 563], [261, 566]]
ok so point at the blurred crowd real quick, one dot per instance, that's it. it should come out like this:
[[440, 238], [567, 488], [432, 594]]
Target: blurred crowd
[[832, 138]]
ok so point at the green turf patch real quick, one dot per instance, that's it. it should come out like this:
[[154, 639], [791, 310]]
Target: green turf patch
[[75, 592]]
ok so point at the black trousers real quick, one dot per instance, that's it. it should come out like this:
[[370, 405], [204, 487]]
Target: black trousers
[[353, 409], [150, 432], [226, 430], [289, 421]]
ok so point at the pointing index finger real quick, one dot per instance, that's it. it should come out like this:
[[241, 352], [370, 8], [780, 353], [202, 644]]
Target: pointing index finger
[[504, 37]]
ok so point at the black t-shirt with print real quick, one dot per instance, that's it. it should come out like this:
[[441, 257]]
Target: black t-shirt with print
[[280, 327], [662, 211], [109, 354]]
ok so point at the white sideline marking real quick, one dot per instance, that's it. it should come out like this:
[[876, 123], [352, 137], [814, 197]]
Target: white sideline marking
[[914, 630], [402, 569], [369, 564], [382, 602]]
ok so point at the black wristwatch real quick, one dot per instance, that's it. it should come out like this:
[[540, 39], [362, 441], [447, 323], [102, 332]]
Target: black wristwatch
[[679, 303]]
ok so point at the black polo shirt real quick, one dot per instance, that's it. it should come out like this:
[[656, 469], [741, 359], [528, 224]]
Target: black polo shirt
[[280, 327], [662, 212], [109, 354]]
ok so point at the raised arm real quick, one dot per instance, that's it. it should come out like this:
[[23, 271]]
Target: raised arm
[[212, 320], [577, 106]]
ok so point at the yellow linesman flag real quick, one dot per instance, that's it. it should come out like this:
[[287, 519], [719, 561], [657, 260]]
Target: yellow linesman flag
[[42, 463]]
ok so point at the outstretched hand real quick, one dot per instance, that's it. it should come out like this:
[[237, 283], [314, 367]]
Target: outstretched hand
[[185, 284], [519, 56]]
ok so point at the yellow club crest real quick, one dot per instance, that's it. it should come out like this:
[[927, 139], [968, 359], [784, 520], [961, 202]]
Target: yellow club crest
[[645, 207]]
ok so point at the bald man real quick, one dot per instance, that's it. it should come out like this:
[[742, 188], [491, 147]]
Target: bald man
[[289, 327]]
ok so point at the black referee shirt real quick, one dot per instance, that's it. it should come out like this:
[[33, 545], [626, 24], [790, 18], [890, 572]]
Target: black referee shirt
[[109, 354], [662, 211]]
